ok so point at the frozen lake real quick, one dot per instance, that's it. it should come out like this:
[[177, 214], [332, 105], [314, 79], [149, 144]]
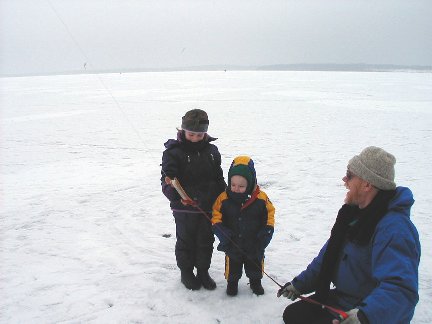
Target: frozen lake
[[82, 215]]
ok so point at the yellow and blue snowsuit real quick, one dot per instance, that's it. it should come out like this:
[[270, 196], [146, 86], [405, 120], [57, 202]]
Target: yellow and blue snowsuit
[[244, 223]]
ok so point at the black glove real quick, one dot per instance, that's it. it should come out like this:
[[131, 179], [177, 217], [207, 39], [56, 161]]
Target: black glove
[[224, 235], [265, 235]]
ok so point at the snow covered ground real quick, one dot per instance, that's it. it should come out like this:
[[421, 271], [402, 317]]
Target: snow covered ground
[[83, 218]]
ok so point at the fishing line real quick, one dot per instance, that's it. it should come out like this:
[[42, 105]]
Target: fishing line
[[119, 107], [83, 53], [187, 200], [87, 61], [177, 186], [108, 91]]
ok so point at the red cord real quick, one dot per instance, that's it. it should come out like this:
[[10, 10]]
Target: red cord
[[342, 315]]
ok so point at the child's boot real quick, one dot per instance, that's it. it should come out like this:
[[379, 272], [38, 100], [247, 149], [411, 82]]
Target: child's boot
[[189, 280], [257, 288], [205, 279], [232, 288]]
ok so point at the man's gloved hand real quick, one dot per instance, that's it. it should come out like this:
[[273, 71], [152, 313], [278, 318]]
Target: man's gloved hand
[[288, 291], [352, 318]]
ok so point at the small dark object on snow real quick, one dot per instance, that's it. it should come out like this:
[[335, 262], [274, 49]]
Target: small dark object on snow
[[166, 235]]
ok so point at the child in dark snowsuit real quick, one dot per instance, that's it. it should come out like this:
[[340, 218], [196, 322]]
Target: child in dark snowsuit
[[196, 163], [243, 220]]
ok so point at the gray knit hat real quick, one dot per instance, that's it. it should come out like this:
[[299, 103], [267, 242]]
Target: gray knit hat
[[376, 166], [195, 120]]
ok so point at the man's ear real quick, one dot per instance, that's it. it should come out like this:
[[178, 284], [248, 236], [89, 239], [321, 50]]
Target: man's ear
[[368, 187]]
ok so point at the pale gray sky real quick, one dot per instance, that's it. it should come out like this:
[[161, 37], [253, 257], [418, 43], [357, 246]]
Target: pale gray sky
[[38, 36]]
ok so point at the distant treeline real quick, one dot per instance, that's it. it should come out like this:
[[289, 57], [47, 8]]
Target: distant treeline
[[277, 67], [344, 67]]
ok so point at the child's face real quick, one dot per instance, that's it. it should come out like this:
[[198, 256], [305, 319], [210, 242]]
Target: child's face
[[238, 184], [193, 136]]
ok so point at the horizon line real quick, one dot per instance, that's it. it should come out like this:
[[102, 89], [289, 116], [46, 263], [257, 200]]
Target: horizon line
[[306, 67]]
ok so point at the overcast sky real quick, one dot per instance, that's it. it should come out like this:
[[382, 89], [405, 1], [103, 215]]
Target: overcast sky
[[62, 35]]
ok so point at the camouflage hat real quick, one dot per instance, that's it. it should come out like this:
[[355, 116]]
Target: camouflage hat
[[195, 120]]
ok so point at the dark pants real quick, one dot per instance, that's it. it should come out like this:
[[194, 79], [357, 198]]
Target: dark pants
[[303, 312], [194, 246], [234, 268]]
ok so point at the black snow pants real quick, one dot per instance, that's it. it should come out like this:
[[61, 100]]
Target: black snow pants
[[194, 246], [303, 312], [234, 268]]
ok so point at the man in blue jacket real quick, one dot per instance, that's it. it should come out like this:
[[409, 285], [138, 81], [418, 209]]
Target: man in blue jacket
[[371, 257]]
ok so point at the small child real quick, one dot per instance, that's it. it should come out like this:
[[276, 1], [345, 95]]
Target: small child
[[243, 220], [196, 163]]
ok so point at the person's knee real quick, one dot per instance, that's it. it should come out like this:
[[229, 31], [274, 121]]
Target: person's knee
[[295, 313], [287, 315]]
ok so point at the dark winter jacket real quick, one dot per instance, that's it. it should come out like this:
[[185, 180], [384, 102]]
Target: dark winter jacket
[[380, 278], [249, 225], [197, 166], [243, 222]]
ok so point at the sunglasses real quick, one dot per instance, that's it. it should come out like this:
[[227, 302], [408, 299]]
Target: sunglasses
[[349, 175]]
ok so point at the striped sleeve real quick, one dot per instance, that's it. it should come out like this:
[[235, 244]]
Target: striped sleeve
[[217, 214], [270, 208]]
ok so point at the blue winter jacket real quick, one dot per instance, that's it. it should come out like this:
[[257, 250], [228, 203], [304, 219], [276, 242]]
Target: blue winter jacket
[[380, 278]]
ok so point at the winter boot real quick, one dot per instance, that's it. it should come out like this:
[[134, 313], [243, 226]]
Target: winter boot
[[257, 288], [189, 280], [205, 279], [232, 288]]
